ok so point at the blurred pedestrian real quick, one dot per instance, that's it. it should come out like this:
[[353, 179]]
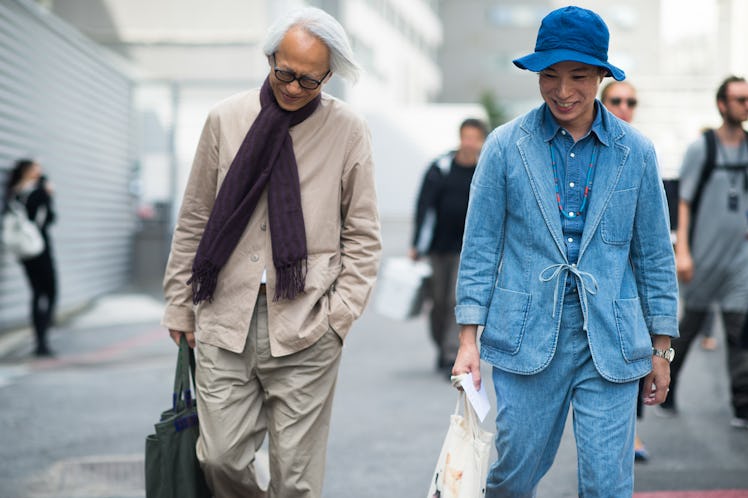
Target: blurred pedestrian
[[575, 286], [278, 235], [438, 227], [619, 97], [27, 186], [711, 248]]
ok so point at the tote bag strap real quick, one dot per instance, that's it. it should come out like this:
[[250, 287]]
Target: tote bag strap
[[471, 418], [182, 396]]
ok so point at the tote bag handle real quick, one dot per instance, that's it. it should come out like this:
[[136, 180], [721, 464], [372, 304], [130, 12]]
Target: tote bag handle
[[182, 396]]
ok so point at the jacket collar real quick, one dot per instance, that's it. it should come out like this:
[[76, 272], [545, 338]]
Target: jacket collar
[[600, 125], [612, 156]]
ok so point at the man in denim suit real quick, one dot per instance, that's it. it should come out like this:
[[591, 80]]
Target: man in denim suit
[[568, 266]]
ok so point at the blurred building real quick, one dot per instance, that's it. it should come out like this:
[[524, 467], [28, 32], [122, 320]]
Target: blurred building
[[674, 51], [193, 53], [482, 37], [67, 103]]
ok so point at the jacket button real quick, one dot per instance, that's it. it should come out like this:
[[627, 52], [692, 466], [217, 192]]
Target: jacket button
[[255, 258], [263, 227]]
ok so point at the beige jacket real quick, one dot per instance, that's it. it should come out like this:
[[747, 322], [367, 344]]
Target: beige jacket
[[333, 152]]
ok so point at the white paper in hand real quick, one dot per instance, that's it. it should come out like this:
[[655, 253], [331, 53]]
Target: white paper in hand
[[478, 399]]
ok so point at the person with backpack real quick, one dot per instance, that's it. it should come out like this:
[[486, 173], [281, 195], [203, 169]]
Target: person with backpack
[[28, 191], [711, 248]]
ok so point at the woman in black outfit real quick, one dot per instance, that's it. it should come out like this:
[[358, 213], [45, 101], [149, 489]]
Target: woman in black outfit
[[27, 185]]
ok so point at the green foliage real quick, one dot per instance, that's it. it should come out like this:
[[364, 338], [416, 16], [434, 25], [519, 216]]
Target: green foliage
[[494, 109]]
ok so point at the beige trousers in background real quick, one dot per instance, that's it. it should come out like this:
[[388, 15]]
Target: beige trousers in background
[[243, 397]]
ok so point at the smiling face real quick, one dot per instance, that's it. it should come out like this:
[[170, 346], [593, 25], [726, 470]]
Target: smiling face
[[304, 55], [569, 89]]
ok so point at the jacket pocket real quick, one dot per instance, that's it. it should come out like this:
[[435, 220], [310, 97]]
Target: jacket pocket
[[632, 330], [507, 320], [617, 224]]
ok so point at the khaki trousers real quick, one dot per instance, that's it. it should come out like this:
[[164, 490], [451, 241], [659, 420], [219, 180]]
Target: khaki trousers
[[241, 398]]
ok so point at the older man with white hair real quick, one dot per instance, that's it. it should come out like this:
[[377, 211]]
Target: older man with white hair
[[274, 256]]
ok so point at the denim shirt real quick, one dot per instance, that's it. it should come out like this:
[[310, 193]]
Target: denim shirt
[[515, 261], [572, 165]]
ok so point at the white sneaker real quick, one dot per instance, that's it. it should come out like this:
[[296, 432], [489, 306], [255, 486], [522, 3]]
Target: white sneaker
[[739, 423]]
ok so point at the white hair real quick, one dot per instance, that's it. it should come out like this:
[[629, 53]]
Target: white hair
[[322, 25]]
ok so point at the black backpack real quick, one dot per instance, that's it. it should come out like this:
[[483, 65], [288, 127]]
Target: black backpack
[[671, 186]]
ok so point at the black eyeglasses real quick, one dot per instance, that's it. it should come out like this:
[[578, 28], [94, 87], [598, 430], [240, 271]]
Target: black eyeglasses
[[305, 82], [616, 101]]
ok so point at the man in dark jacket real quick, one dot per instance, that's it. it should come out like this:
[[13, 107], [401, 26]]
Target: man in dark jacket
[[439, 223]]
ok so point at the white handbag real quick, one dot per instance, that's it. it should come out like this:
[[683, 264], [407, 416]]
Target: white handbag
[[21, 236], [400, 292], [462, 467]]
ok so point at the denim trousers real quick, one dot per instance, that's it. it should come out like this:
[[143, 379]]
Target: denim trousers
[[532, 411]]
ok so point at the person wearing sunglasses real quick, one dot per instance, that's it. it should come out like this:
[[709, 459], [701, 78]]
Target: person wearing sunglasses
[[711, 248], [275, 253], [619, 97]]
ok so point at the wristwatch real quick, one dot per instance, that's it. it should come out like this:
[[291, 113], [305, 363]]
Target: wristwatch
[[668, 354]]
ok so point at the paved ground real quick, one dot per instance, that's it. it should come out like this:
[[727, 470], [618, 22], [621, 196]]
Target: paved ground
[[74, 426]]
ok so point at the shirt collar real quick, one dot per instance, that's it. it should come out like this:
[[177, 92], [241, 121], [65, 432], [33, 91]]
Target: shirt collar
[[600, 129]]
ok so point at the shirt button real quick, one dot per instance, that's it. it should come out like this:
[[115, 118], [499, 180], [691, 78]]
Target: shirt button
[[255, 258], [571, 214], [572, 155], [571, 184], [263, 227], [570, 240], [563, 132]]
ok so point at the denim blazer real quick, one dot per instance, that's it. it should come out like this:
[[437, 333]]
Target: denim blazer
[[514, 269]]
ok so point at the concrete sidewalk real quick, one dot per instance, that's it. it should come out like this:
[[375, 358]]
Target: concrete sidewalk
[[128, 307], [114, 371]]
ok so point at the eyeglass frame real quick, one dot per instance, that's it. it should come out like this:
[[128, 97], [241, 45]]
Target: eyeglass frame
[[282, 73], [631, 102]]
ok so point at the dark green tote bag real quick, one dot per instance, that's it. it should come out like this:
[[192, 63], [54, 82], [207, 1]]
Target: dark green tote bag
[[171, 466]]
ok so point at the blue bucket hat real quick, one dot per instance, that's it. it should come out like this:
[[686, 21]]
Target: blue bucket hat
[[571, 34]]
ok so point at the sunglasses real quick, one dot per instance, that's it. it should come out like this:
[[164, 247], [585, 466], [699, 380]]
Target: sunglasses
[[616, 101]]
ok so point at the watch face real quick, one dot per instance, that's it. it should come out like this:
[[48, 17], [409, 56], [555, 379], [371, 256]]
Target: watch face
[[668, 354]]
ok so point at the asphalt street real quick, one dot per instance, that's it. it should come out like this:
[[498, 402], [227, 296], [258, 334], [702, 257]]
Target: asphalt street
[[74, 426]]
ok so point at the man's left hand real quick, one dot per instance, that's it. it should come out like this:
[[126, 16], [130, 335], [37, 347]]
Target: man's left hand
[[656, 383]]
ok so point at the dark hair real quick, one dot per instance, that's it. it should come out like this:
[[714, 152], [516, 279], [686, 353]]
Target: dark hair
[[15, 175], [475, 123], [722, 90]]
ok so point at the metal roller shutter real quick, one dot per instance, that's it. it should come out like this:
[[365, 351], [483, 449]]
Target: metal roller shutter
[[68, 103]]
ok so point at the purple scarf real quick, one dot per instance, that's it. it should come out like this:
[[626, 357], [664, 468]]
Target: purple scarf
[[265, 158]]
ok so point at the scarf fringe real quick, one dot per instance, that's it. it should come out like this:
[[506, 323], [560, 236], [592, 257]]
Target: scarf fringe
[[290, 280], [204, 280]]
